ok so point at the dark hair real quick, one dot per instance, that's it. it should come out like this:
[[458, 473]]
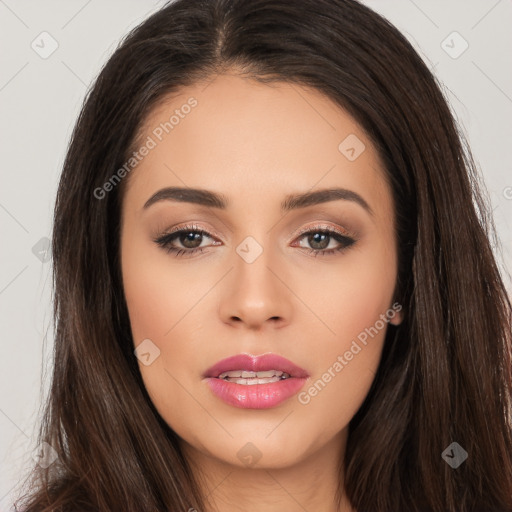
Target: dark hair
[[445, 373]]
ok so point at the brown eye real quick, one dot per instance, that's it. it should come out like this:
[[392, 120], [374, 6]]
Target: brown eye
[[320, 239], [185, 241], [190, 239]]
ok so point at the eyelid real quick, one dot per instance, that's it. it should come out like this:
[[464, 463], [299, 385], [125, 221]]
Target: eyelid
[[329, 227], [192, 226], [320, 225]]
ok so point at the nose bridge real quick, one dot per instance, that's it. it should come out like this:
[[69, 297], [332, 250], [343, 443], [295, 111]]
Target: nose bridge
[[253, 261], [257, 294]]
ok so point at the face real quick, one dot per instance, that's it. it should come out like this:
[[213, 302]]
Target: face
[[262, 267]]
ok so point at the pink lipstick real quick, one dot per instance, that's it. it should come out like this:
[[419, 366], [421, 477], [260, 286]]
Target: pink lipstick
[[255, 382]]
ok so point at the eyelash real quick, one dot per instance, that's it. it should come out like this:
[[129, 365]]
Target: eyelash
[[166, 239]]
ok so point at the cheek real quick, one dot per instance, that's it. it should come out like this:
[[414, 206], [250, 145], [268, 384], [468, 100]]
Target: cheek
[[346, 295], [158, 295], [346, 363], [349, 333], [152, 303], [164, 307]]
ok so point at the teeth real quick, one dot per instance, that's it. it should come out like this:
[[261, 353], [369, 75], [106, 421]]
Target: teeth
[[251, 382], [251, 375], [269, 373], [251, 378], [230, 374]]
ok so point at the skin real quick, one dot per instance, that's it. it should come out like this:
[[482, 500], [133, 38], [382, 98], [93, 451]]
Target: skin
[[257, 143]]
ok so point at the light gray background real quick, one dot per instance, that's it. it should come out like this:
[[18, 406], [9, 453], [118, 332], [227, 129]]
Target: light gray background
[[39, 102]]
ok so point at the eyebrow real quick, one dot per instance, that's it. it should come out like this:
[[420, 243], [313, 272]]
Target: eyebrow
[[291, 202]]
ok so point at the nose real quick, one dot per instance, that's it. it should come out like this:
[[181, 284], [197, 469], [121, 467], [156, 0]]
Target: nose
[[256, 294]]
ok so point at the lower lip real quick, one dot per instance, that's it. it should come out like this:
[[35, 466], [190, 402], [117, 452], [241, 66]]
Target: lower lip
[[255, 396]]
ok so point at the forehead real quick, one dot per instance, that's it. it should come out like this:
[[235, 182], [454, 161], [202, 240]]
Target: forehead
[[235, 134]]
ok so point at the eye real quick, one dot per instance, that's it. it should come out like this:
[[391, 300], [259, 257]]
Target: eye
[[320, 238], [191, 238]]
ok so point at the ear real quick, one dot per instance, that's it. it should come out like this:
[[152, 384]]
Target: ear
[[395, 313], [397, 319]]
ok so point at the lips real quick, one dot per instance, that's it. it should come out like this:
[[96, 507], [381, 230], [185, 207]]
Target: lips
[[263, 363], [255, 382]]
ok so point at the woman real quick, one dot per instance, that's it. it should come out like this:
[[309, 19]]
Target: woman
[[274, 286]]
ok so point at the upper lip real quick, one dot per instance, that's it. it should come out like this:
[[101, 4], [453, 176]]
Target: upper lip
[[260, 363]]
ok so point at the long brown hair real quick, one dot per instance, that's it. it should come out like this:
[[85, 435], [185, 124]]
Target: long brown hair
[[445, 374]]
